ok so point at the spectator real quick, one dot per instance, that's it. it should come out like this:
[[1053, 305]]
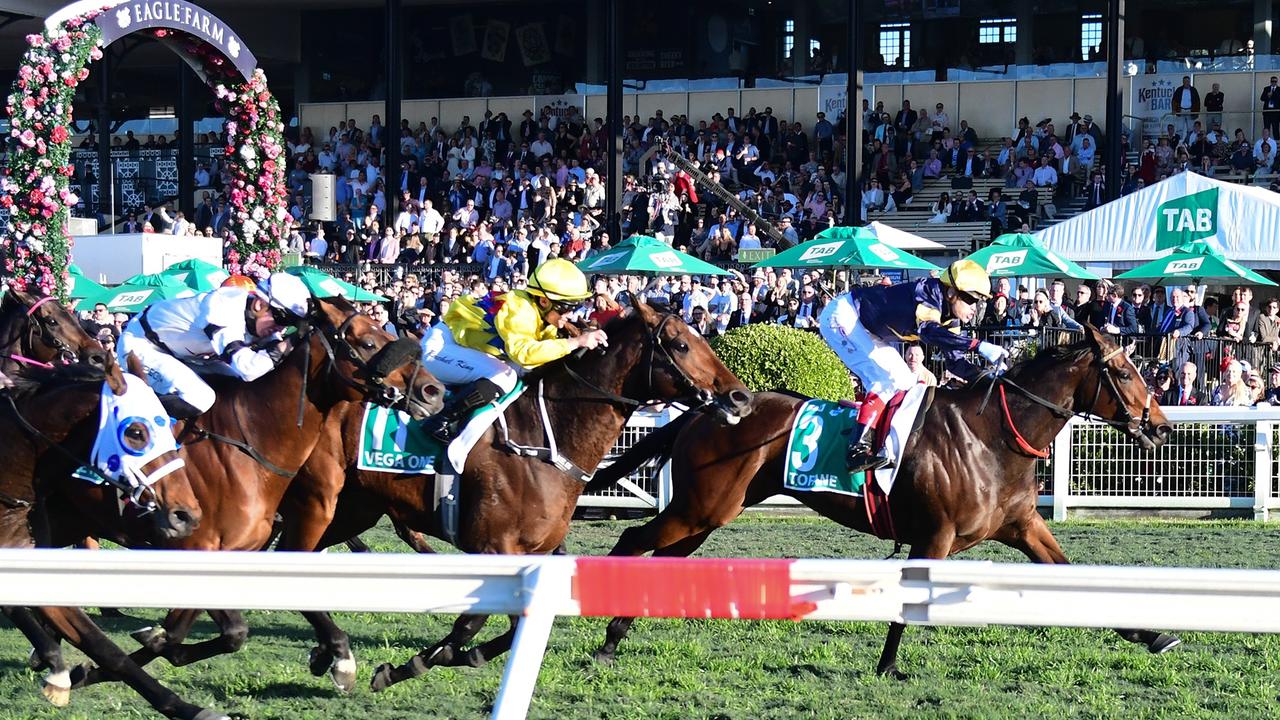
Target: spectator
[[1044, 315], [1232, 390], [1116, 315], [1184, 392], [1270, 107], [1045, 175], [1186, 105], [915, 362], [941, 209], [1273, 385], [1267, 324]]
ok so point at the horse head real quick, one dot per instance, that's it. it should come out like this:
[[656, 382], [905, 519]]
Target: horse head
[[1112, 387], [677, 364], [156, 484], [41, 330], [371, 363]]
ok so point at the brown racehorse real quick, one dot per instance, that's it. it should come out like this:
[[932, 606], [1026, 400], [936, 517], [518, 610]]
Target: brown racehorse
[[243, 455], [38, 332], [964, 478], [49, 424], [509, 503]]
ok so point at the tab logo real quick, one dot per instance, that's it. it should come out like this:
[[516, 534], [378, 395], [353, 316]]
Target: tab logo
[[665, 259], [820, 251], [130, 298], [1189, 265], [605, 260], [1192, 217], [884, 252], [1006, 260]]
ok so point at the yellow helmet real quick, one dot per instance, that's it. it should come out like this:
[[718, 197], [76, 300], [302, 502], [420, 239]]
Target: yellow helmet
[[967, 277], [559, 280]]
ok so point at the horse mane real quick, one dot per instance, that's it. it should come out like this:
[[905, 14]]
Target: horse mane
[[1052, 356], [616, 326]]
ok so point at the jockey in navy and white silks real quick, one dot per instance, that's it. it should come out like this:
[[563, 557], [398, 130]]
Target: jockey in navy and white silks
[[860, 326], [227, 326]]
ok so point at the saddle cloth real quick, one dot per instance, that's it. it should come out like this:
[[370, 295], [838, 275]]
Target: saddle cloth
[[393, 442], [819, 441]]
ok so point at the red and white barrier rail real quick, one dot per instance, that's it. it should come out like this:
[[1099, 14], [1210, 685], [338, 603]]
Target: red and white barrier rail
[[542, 588]]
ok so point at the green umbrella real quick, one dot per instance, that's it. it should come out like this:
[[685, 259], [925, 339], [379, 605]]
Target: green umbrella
[[853, 247], [322, 284], [643, 255], [1020, 254], [132, 298], [197, 274], [81, 286], [1197, 262]]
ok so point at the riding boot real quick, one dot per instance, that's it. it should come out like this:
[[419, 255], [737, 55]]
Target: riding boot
[[861, 457], [448, 422]]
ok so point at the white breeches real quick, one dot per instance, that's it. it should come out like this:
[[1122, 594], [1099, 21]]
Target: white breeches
[[166, 374], [454, 364], [879, 365]]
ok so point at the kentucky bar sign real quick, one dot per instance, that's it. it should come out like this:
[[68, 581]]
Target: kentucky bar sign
[[131, 17]]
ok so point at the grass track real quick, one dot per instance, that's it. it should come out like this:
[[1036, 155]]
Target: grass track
[[722, 670]]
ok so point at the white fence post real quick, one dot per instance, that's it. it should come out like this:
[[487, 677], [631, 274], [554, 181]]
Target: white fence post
[[1062, 470], [1263, 433], [544, 589]]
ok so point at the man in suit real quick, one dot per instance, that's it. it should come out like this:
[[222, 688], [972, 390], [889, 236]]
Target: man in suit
[[1241, 294], [971, 209], [1186, 105], [1116, 315], [204, 213], [906, 119], [1096, 192], [1271, 107], [769, 126], [1184, 392], [971, 165]]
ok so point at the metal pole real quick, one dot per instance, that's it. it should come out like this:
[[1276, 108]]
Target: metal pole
[[391, 110], [1115, 95], [613, 111], [106, 174], [853, 120], [186, 142]]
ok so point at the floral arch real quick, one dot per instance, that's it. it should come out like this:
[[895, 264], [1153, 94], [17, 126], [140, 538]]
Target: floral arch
[[35, 247]]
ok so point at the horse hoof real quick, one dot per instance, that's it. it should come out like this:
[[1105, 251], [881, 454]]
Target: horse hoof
[[319, 661], [893, 673], [343, 673], [57, 689], [152, 638], [1163, 644], [382, 678], [604, 657]]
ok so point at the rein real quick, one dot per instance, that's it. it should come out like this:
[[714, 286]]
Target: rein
[[36, 329], [202, 434]]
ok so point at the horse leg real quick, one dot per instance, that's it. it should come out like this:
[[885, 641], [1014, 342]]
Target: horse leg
[[46, 653], [78, 629], [938, 548], [232, 633], [333, 651], [442, 653], [1037, 542], [412, 538], [156, 642], [637, 543]]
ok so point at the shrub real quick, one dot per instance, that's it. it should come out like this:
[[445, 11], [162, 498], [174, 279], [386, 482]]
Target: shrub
[[766, 356]]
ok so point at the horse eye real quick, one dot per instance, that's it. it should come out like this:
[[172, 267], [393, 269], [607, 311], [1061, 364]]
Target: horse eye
[[135, 433], [367, 344], [1124, 376], [681, 347]]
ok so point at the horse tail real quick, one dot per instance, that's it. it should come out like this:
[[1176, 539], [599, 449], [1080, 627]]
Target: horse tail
[[654, 446]]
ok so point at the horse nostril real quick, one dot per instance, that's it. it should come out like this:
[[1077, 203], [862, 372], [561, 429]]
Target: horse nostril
[[740, 398], [1164, 431], [98, 360], [183, 520], [429, 390]]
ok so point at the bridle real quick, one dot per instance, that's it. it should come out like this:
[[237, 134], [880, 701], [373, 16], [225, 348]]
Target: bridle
[[38, 329], [1127, 423], [695, 397]]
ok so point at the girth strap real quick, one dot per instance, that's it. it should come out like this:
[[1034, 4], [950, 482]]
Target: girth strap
[[550, 454]]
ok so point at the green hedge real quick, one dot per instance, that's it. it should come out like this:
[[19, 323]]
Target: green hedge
[[766, 356]]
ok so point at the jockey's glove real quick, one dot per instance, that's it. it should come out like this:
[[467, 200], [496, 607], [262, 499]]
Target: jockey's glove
[[991, 352]]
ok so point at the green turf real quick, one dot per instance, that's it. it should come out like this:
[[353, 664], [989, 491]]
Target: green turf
[[719, 669]]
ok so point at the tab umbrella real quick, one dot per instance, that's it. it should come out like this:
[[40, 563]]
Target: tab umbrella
[[322, 284], [1195, 262], [197, 274], [644, 255], [847, 247], [133, 298], [81, 286], [1020, 254]]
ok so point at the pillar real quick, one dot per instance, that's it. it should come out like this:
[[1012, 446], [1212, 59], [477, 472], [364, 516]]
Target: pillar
[[1116, 80], [391, 108], [853, 119], [186, 140], [106, 178], [613, 108]]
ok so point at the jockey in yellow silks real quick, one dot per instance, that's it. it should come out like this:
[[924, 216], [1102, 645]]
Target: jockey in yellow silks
[[490, 341], [862, 324]]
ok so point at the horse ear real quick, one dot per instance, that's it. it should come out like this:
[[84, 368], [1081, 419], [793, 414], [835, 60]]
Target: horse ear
[[135, 366], [1097, 338], [646, 312]]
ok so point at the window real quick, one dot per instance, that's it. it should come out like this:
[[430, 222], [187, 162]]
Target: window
[[1090, 34], [998, 30], [788, 37], [895, 44]]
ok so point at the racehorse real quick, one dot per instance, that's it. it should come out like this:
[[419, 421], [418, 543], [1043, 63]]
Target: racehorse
[[49, 422], [38, 332], [244, 454], [966, 475], [508, 503]]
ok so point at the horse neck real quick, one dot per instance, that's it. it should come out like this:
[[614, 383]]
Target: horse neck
[[1038, 424], [578, 412], [13, 331]]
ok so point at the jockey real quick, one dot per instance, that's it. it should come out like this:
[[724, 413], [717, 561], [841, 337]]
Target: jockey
[[238, 324], [860, 324], [491, 341]]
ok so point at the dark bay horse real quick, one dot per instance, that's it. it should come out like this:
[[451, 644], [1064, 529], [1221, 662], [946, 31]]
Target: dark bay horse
[[964, 477], [509, 503], [49, 423], [38, 333], [245, 453]]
